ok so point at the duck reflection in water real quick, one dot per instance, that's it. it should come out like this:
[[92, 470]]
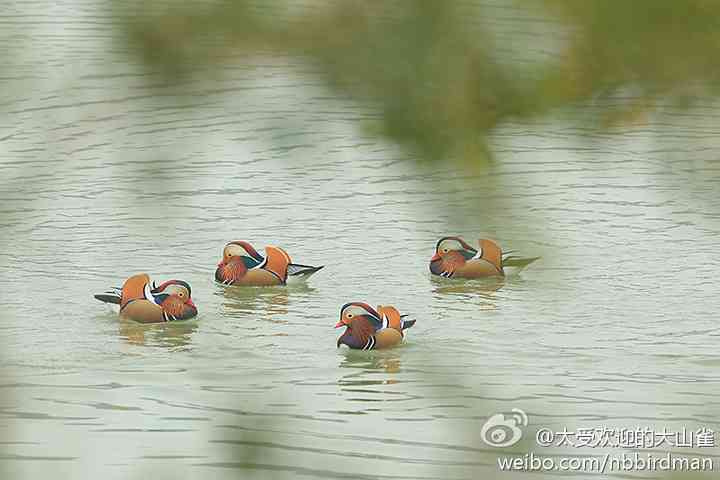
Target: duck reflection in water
[[170, 334], [369, 377], [485, 289], [373, 361], [267, 303]]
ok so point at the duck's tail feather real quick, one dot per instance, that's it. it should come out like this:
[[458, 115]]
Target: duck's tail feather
[[514, 265], [297, 270], [408, 323], [109, 297], [513, 261]]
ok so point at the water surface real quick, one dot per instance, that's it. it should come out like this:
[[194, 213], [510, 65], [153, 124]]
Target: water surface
[[102, 178]]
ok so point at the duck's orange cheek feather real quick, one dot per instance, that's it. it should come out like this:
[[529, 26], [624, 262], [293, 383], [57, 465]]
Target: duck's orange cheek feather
[[454, 259], [173, 306], [178, 309], [230, 272], [448, 263]]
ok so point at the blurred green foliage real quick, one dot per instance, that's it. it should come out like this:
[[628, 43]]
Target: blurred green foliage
[[437, 70]]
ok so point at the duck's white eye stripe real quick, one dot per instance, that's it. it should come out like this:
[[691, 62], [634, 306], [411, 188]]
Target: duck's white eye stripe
[[235, 249], [356, 310], [450, 244]]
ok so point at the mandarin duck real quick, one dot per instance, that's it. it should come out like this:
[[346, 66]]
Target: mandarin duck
[[144, 302], [455, 258], [243, 265], [368, 328]]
